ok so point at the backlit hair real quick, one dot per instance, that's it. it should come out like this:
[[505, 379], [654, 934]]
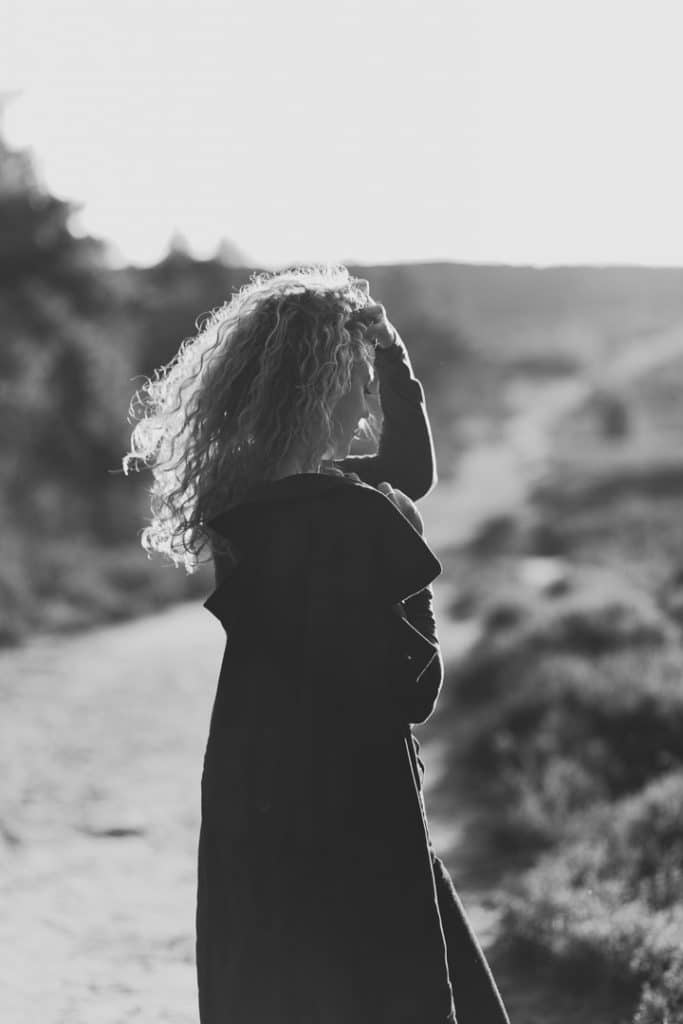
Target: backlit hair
[[262, 375]]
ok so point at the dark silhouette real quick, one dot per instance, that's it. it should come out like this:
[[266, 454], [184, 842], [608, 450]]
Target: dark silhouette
[[320, 896]]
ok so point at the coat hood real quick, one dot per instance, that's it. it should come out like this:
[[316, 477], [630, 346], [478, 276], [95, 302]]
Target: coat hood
[[405, 562]]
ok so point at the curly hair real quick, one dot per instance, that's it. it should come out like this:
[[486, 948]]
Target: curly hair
[[260, 378]]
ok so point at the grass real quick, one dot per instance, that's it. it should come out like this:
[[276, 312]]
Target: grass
[[556, 732], [611, 900], [72, 584]]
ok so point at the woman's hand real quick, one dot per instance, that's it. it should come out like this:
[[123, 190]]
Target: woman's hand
[[404, 504], [378, 328]]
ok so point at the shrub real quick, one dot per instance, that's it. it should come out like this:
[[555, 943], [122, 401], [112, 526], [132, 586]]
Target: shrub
[[613, 900], [72, 583], [639, 534], [554, 730], [17, 607]]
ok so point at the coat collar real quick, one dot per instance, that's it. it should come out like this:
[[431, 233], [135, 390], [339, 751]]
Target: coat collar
[[407, 563], [289, 488], [298, 487]]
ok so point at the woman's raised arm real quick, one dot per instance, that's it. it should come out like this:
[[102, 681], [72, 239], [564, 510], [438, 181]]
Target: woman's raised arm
[[406, 456]]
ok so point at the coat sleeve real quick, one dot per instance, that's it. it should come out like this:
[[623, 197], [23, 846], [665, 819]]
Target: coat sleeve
[[421, 693], [406, 457]]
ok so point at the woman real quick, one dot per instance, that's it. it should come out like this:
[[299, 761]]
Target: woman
[[320, 899]]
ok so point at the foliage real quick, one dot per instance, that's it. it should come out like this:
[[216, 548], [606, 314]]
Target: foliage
[[565, 731], [574, 709], [67, 359], [611, 899], [64, 357]]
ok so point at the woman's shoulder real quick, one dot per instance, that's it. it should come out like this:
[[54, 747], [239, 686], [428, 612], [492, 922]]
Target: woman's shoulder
[[386, 499], [333, 495]]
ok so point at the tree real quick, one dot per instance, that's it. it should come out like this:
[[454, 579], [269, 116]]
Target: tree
[[65, 355]]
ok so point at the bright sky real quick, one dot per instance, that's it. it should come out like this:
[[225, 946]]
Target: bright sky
[[521, 131]]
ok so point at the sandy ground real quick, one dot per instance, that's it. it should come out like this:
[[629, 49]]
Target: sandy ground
[[102, 743]]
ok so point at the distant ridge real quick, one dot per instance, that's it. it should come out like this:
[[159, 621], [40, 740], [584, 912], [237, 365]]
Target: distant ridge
[[507, 311], [519, 308]]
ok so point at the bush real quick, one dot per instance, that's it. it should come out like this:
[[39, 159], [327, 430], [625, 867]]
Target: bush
[[639, 534], [17, 607], [573, 702], [612, 900], [73, 583]]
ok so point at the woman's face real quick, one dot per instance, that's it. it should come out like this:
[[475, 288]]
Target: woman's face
[[351, 408]]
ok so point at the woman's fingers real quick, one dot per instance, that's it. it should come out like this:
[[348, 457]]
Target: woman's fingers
[[376, 325], [373, 311], [387, 489], [404, 504], [382, 334]]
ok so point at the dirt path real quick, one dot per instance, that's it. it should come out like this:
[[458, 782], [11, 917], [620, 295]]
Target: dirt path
[[102, 743]]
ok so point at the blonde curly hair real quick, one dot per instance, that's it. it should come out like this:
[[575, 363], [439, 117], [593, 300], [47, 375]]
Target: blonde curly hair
[[260, 378]]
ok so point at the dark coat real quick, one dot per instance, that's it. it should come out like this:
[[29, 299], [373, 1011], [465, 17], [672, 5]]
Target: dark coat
[[316, 899]]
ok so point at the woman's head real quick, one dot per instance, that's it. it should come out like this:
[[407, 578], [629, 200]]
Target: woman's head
[[351, 408], [278, 372]]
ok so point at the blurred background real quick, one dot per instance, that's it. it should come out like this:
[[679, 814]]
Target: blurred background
[[508, 179]]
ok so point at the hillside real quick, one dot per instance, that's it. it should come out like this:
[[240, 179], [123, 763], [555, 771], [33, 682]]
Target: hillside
[[503, 311], [511, 311]]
